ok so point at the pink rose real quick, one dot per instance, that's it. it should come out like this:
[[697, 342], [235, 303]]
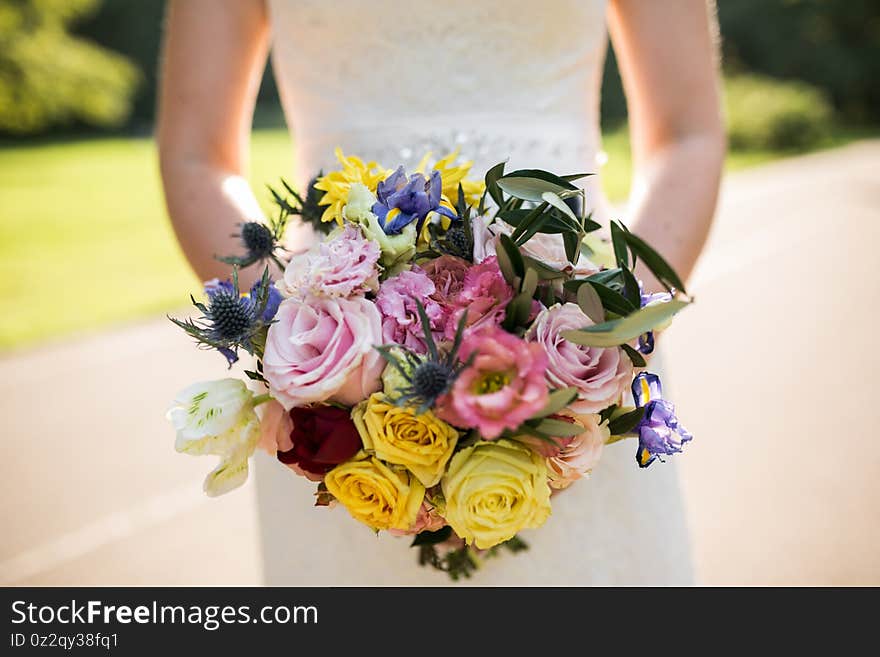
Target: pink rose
[[484, 297], [428, 520], [503, 386], [579, 454], [340, 266], [485, 240], [322, 350], [275, 428], [400, 318], [546, 248], [600, 375]]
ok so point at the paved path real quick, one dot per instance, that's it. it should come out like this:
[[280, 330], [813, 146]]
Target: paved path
[[772, 369]]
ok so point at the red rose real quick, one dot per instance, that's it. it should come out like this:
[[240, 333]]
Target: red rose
[[323, 437]]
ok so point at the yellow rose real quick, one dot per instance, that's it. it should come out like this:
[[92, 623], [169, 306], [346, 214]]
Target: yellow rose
[[493, 490], [421, 442], [375, 494]]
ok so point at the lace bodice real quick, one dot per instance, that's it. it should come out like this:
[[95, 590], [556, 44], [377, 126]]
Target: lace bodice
[[390, 80]]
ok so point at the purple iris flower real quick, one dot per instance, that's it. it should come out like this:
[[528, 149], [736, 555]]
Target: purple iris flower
[[646, 340], [414, 198], [659, 430], [272, 302]]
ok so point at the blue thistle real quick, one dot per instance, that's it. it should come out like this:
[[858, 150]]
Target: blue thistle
[[231, 321], [430, 376]]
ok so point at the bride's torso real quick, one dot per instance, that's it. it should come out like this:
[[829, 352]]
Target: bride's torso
[[389, 80], [518, 79]]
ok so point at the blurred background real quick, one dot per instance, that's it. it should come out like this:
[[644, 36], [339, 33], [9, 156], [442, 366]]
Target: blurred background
[[772, 367]]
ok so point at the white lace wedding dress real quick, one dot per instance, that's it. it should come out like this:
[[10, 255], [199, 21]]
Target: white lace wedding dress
[[518, 79]]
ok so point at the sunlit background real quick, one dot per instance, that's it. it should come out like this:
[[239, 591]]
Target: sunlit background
[[772, 368]]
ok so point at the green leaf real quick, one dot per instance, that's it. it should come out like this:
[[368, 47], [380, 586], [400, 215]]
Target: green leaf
[[559, 428], [576, 176], [637, 359], [612, 300], [530, 283], [625, 423], [492, 176], [557, 400], [513, 255], [554, 200], [618, 241], [589, 302], [590, 225], [530, 224], [545, 272], [572, 242], [550, 223], [626, 329], [631, 288], [517, 311], [655, 262], [432, 538], [530, 184]]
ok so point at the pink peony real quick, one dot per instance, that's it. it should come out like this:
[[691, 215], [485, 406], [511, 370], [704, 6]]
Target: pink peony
[[600, 375], [340, 266], [580, 454], [400, 317], [484, 296], [322, 350], [503, 387]]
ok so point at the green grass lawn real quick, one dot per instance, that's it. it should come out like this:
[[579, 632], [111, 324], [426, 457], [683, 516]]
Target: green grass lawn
[[85, 242]]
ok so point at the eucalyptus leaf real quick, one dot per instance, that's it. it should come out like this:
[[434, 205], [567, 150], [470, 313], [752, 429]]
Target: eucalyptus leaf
[[530, 184], [618, 331], [655, 262], [589, 302], [557, 401]]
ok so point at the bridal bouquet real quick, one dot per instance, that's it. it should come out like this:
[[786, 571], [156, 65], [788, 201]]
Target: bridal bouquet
[[448, 354]]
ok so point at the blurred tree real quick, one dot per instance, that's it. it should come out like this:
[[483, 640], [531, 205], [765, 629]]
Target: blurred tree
[[49, 77], [832, 44]]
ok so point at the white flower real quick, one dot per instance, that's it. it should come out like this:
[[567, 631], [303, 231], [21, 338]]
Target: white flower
[[360, 203], [218, 418]]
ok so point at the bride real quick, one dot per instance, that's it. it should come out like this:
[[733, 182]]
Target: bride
[[390, 79]]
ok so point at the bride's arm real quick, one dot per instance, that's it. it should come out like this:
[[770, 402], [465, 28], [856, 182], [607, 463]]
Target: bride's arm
[[213, 57], [668, 59]]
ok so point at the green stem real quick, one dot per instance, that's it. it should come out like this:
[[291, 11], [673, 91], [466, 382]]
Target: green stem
[[262, 399], [614, 439]]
